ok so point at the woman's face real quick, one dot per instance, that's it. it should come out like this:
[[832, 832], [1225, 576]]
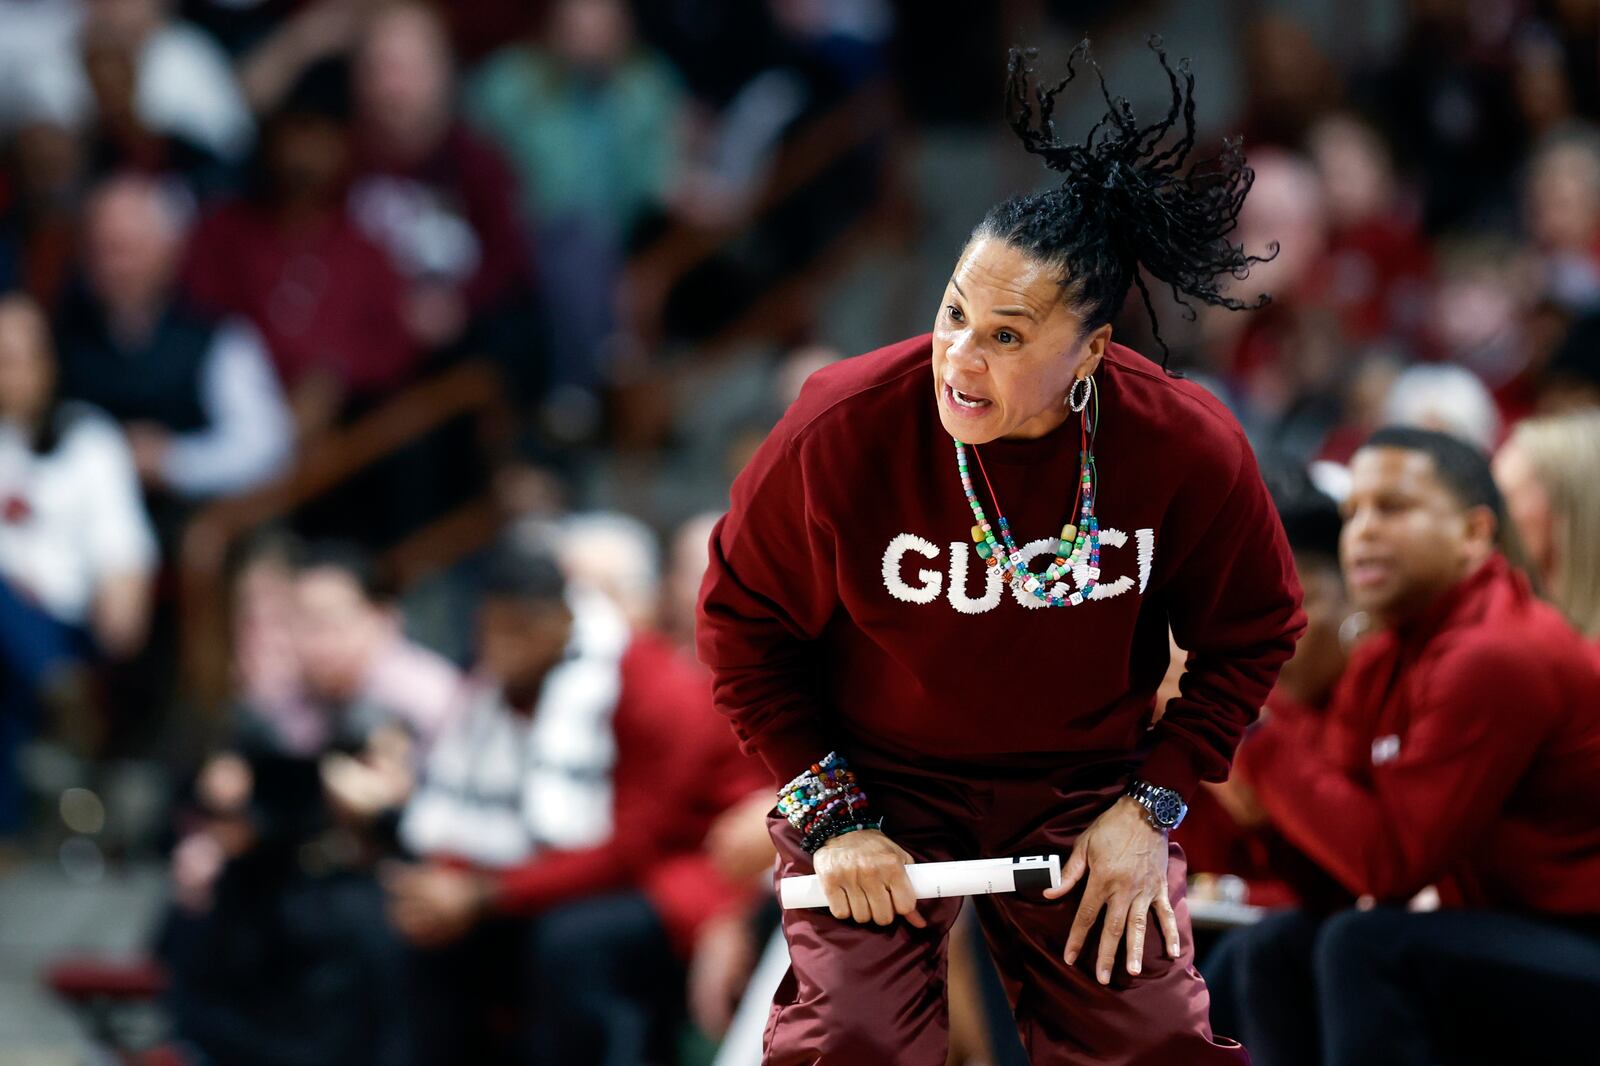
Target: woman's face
[[27, 371], [1006, 347], [1528, 504]]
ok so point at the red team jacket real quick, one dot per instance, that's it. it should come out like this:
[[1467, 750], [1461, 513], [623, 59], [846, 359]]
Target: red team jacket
[[1462, 750]]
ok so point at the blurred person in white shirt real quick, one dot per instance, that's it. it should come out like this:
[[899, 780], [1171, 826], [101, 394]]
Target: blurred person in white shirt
[[77, 553]]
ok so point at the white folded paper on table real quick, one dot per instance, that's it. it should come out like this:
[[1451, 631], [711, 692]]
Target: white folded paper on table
[[936, 880]]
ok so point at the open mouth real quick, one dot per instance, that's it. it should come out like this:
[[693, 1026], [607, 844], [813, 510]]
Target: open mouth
[[1367, 572], [966, 401]]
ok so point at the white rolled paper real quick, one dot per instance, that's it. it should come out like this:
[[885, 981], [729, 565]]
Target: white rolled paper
[[936, 880]]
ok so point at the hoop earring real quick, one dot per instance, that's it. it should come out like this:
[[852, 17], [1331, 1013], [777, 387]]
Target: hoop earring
[[1075, 401]]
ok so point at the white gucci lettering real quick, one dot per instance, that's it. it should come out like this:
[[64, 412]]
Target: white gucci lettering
[[931, 580], [931, 583], [1104, 590], [992, 584]]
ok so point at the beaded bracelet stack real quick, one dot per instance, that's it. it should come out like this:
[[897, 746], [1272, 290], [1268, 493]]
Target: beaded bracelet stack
[[825, 801]]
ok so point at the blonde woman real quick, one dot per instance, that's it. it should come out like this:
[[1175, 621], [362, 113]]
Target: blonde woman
[[1549, 471]]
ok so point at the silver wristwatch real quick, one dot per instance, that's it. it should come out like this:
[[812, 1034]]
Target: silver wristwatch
[[1163, 807]]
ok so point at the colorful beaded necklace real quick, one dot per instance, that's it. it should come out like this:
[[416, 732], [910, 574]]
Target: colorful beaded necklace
[[1080, 537]]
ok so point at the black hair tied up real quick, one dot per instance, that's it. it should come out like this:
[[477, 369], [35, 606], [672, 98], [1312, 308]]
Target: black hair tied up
[[1126, 203]]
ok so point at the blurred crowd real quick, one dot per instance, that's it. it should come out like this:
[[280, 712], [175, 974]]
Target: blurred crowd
[[234, 231]]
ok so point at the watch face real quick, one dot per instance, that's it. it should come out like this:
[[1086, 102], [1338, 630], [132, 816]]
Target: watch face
[[1167, 808]]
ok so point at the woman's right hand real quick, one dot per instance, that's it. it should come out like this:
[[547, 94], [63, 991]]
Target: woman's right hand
[[863, 874]]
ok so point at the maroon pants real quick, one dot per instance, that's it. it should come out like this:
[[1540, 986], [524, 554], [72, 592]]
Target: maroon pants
[[865, 994]]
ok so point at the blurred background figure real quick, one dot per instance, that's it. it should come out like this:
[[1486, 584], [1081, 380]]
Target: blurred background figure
[[558, 829], [600, 163], [122, 137], [186, 85], [435, 197], [77, 554], [288, 256], [1449, 399], [1379, 258], [202, 408], [358, 673], [1466, 717], [274, 869], [1563, 208], [1547, 470]]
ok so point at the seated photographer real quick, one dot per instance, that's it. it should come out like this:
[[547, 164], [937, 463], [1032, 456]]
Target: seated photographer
[[277, 908]]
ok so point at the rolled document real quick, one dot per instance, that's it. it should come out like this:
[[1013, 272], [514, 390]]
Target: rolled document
[[936, 880]]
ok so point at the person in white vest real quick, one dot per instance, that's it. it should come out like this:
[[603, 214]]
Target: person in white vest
[[559, 822]]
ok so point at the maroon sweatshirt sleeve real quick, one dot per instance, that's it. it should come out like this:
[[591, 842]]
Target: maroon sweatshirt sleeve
[[1483, 713], [1234, 604], [650, 777], [769, 591]]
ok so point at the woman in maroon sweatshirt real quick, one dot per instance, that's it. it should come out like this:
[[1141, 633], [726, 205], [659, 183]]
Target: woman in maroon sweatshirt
[[849, 609]]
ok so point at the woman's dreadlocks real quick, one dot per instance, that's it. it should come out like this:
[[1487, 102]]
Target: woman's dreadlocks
[[1126, 203]]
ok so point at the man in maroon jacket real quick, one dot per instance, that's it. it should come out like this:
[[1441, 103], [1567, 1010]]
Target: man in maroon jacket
[[1461, 752], [993, 698]]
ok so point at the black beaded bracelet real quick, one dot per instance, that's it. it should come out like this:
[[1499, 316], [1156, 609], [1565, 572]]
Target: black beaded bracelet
[[814, 840]]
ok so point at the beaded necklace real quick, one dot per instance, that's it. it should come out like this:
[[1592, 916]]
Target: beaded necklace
[[1080, 537]]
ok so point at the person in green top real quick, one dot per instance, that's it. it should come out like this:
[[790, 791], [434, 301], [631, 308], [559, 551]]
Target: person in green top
[[589, 119]]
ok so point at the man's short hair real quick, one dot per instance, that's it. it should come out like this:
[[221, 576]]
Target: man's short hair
[[350, 559], [521, 566], [1463, 469]]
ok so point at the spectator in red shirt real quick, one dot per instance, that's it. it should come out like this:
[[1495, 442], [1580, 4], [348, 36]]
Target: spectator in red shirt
[[1290, 349], [290, 259], [1460, 754], [560, 824], [439, 200], [1378, 258]]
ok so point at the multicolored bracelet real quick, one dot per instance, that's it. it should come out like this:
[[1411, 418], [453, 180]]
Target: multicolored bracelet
[[825, 801]]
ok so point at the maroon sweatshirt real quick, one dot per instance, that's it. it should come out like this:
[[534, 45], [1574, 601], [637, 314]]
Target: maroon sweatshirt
[[846, 608], [1462, 750]]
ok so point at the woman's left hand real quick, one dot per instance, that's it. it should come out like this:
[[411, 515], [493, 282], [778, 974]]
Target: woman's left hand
[[1126, 860]]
